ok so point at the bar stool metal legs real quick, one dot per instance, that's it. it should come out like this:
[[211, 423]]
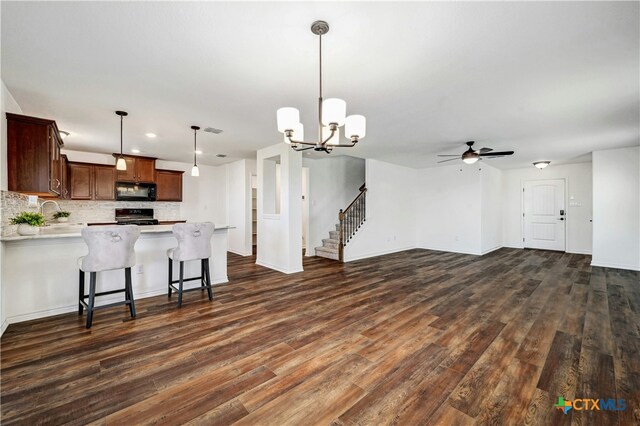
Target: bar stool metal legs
[[205, 280]]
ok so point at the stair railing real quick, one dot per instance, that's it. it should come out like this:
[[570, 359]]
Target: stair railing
[[351, 219]]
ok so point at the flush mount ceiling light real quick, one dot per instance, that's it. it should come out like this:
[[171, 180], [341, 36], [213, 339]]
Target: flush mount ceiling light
[[150, 135], [198, 152], [121, 164], [331, 116], [541, 164], [63, 134], [135, 151], [194, 170]]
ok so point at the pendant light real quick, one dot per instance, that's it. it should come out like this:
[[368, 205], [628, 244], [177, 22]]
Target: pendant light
[[194, 170], [121, 164]]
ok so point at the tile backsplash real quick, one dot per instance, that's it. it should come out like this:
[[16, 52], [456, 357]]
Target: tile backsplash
[[12, 203]]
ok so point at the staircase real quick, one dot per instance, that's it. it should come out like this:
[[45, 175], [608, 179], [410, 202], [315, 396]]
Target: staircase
[[330, 245], [349, 221]]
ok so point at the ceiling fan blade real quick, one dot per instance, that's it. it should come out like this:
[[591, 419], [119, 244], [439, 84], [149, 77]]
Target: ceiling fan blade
[[497, 154], [448, 155], [483, 150], [450, 159]]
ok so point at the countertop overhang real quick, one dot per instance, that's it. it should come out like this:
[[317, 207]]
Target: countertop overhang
[[74, 231]]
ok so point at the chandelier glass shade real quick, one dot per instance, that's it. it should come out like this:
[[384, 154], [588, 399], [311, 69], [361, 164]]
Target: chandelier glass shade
[[332, 114]]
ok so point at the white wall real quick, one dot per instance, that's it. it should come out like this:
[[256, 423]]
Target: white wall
[[280, 234], [491, 209], [616, 209], [449, 209], [333, 183], [391, 212], [7, 104], [579, 191]]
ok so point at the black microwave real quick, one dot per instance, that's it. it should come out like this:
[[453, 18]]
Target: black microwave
[[129, 191]]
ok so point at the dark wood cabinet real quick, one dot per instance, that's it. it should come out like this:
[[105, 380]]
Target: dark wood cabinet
[[104, 182], [80, 181], [169, 183], [34, 164], [64, 176], [91, 181], [139, 169], [146, 168]]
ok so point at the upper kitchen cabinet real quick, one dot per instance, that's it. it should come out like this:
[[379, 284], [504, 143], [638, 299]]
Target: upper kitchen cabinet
[[34, 164], [64, 172], [169, 185], [139, 169], [91, 181]]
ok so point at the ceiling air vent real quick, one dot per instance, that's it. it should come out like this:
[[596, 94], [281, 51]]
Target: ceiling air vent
[[221, 155], [213, 130]]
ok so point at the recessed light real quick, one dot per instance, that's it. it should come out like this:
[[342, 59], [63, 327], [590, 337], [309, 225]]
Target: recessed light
[[198, 152], [150, 135], [135, 151], [63, 134]]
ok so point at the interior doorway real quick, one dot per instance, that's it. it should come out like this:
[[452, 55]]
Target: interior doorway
[[544, 214]]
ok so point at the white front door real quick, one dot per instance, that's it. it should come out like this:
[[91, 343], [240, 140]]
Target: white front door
[[544, 214]]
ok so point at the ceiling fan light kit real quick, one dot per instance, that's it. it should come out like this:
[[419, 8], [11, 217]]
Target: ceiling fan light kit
[[332, 114], [470, 156], [121, 164], [541, 164]]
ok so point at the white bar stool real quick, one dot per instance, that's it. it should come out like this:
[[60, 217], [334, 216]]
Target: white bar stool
[[110, 247], [194, 243]]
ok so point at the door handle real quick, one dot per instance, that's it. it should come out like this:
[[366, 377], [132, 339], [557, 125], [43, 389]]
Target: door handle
[[562, 218]]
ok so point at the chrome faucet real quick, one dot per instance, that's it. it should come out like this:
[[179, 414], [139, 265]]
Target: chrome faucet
[[48, 201]]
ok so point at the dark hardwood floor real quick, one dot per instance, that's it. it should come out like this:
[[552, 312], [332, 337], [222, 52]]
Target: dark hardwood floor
[[413, 338]]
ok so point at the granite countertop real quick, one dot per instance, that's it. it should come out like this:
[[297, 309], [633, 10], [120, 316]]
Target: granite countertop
[[70, 230]]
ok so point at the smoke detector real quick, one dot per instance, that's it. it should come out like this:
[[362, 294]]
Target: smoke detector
[[213, 130]]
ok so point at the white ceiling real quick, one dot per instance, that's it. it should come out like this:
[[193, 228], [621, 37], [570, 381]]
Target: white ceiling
[[551, 81]]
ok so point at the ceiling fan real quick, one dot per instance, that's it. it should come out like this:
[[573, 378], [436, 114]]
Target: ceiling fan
[[470, 156]]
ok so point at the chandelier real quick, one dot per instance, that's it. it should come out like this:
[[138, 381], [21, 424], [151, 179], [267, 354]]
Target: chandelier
[[331, 116]]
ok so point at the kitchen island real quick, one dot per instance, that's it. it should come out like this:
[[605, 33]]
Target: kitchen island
[[40, 272]]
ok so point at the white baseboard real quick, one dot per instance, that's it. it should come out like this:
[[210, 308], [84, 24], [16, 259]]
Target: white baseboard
[[579, 252], [514, 246], [451, 251], [5, 324], [615, 265], [374, 254], [240, 253], [277, 268], [490, 250], [104, 301]]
